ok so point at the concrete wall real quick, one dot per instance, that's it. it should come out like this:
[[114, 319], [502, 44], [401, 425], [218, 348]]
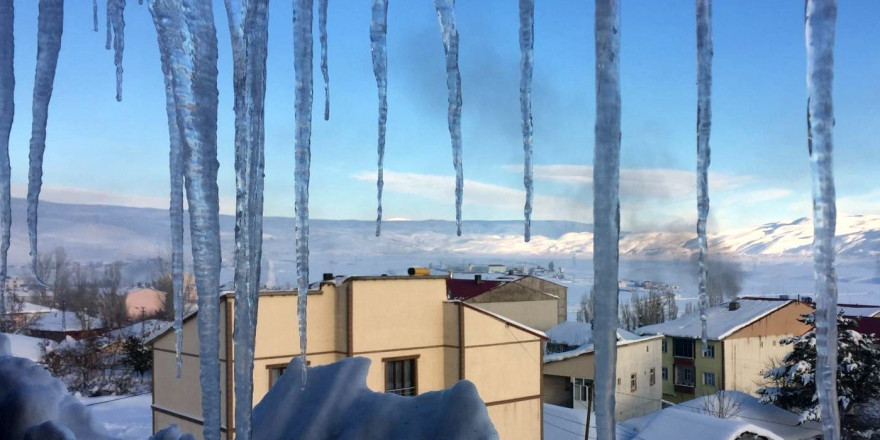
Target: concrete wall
[[783, 321], [558, 290], [745, 360], [540, 315]]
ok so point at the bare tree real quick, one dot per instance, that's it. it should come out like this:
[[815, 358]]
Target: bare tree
[[689, 309], [722, 404], [585, 307]]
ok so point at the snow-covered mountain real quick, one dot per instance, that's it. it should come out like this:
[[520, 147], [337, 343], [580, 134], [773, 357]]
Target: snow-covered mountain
[[104, 233]]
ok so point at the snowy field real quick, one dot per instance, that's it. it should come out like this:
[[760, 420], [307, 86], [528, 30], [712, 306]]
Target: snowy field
[[124, 417]]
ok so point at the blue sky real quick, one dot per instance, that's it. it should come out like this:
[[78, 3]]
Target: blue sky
[[101, 151]]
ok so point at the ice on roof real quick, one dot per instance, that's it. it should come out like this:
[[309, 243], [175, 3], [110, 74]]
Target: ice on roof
[[721, 321], [580, 334], [858, 310]]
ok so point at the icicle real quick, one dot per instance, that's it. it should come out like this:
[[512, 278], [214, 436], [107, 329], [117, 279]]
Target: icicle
[[704, 127], [322, 31], [378, 32], [95, 15], [249, 33], [606, 210], [109, 34], [820, 22], [188, 41], [527, 52], [116, 20], [50, 25], [302, 56], [7, 111], [446, 15]]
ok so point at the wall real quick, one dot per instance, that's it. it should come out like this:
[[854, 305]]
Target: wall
[[745, 360], [540, 315], [146, 299], [784, 321], [558, 290]]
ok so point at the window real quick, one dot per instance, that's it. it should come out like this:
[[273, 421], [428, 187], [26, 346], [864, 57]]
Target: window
[[664, 372], [652, 378], [665, 349], [618, 381], [709, 352], [633, 385], [685, 376], [683, 348], [275, 372], [582, 389], [400, 376], [709, 379]]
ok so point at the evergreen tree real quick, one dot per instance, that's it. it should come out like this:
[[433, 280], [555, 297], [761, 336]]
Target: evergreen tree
[[793, 382]]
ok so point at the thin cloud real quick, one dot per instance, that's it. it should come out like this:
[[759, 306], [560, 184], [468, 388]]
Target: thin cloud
[[82, 196]]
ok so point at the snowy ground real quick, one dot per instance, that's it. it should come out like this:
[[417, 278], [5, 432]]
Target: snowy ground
[[566, 423], [125, 417]]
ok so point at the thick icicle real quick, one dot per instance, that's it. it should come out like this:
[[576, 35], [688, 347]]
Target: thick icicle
[[108, 40], [446, 15], [7, 111], [606, 210], [322, 35], [176, 168], [704, 127], [249, 33], [302, 64], [188, 39], [95, 15], [527, 53], [50, 26], [820, 23], [378, 33], [116, 21]]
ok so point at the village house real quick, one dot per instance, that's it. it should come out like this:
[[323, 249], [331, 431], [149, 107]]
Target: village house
[[569, 365], [743, 342], [416, 339], [530, 300], [143, 302]]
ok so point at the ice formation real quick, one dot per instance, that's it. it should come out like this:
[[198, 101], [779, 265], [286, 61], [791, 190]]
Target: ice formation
[[820, 23], [7, 111], [50, 25], [95, 15], [704, 127], [116, 23], [378, 32], [302, 48], [606, 210], [248, 28], [527, 51], [446, 16], [322, 32], [188, 39]]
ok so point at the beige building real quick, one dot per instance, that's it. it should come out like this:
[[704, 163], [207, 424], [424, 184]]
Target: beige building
[[417, 340], [743, 343], [569, 370], [533, 301], [143, 302]]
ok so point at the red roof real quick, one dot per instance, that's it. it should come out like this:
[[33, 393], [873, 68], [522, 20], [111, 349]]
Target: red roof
[[467, 289], [869, 325]]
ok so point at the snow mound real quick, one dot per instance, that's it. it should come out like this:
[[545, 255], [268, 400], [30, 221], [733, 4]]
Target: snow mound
[[30, 397], [26, 346], [172, 433], [336, 403]]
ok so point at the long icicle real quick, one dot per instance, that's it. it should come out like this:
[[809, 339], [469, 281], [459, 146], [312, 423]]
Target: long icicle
[[176, 170], [117, 20], [186, 29], [820, 23], [302, 56], [249, 34], [378, 34], [527, 54], [7, 112], [446, 16], [606, 210], [95, 15], [704, 127], [322, 35], [108, 39], [50, 26]]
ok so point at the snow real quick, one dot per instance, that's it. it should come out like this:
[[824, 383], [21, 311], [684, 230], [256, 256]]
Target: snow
[[581, 335], [26, 346], [144, 329], [124, 417], [721, 321], [566, 423], [859, 310], [669, 423], [57, 321]]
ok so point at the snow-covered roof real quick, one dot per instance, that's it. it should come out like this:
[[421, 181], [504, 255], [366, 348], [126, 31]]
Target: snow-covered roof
[[720, 321], [143, 329], [859, 310], [580, 334], [57, 321], [668, 424], [26, 347], [31, 308]]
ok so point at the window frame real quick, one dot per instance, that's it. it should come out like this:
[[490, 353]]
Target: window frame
[[708, 374], [389, 362], [652, 378], [683, 348], [580, 388], [709, 352], [275, 367], [633, 382], [665, 345], [664, 373], [677, 379]]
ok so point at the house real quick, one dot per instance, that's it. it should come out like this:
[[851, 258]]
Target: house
[[859, 310], [530, 300], [743, 341], [144, 302], [59, 324], [25, 313], [416, 339], [569, 365]]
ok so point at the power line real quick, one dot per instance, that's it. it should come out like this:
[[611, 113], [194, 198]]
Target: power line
[[114, 400]]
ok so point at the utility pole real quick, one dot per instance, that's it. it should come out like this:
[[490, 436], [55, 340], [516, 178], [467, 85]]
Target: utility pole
[[589, 383]]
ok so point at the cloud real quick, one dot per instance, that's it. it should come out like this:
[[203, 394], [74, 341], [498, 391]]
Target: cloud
[[865, 203], [82, 196]]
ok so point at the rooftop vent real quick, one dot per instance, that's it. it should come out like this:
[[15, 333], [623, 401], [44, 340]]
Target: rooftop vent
[[418, 271], [734, 305], [783, 297], [328, 277], [478, 279]]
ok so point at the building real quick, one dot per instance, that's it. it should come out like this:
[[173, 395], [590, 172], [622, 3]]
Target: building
[[859, 310], [530, 300], [144, 302], [59, 324], [416, 339], [743, 342], [569, 365]]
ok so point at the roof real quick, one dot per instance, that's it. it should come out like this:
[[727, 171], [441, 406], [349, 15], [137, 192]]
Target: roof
[[580, 334], [56, 321], [859, 310], [467, 289], [30, 308], [169, 327], [868, 325], [506, 320], [668, 423], [146, 329], [720, 321]]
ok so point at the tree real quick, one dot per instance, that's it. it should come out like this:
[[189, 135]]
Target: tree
[[138, 356], [585, 307], [793, 383], [689, 309], [551, 267], [722, 404]]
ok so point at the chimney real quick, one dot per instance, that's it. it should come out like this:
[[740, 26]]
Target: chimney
[[328, 277], [734, 305], [478, 279]]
